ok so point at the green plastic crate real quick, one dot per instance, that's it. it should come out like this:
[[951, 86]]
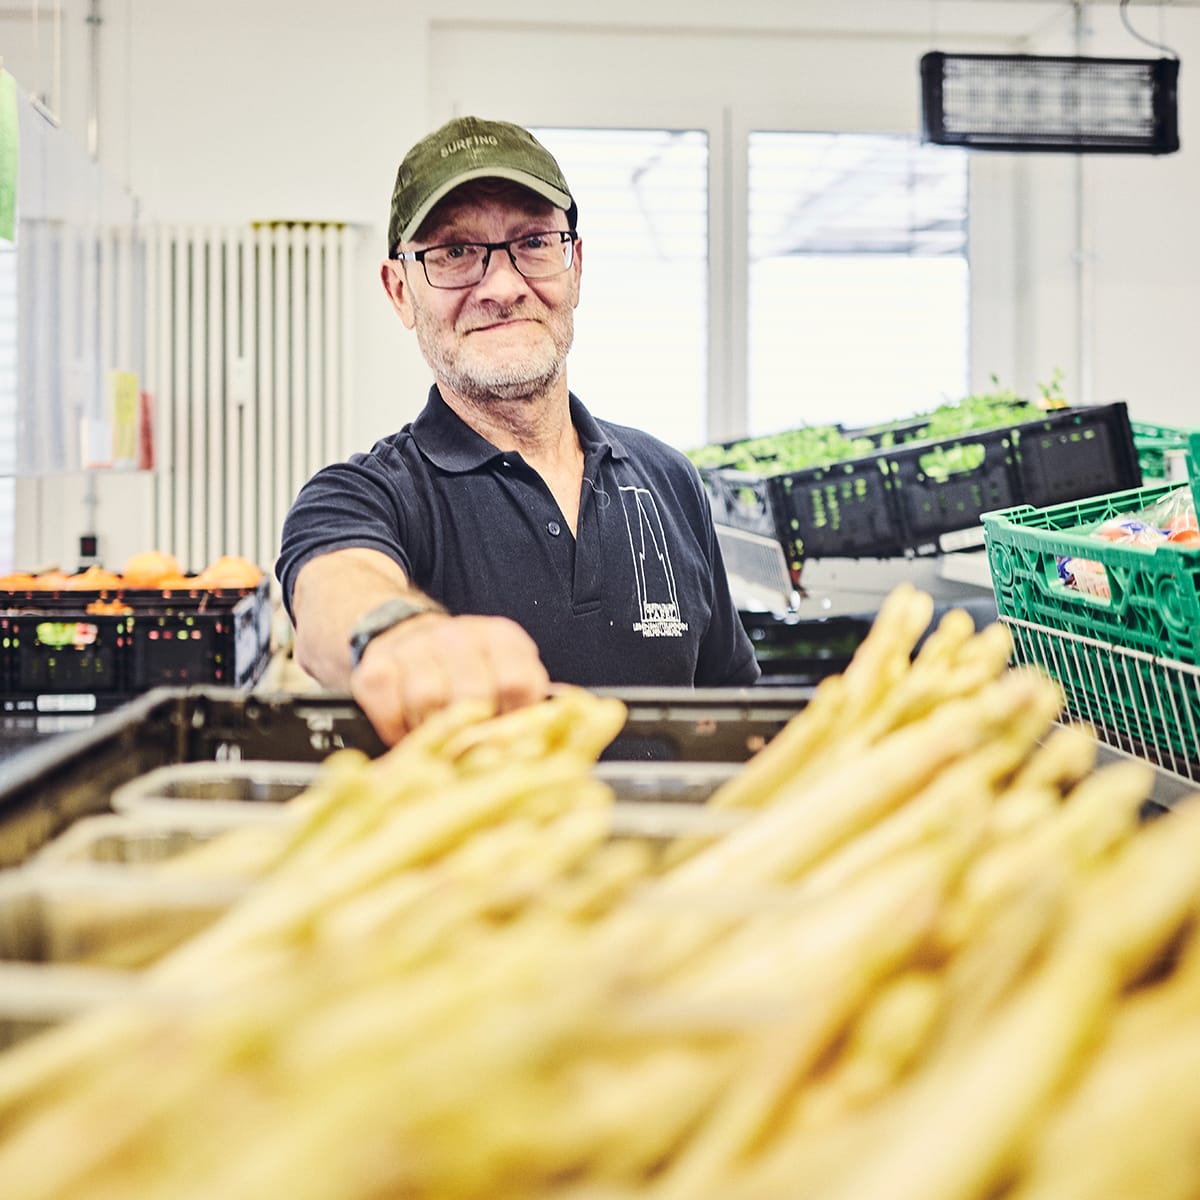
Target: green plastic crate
[[1153, 443], [1140, 703], [1152, 610]]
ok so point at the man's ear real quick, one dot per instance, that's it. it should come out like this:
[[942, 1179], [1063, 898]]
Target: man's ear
[[395, 283], [577, 271]]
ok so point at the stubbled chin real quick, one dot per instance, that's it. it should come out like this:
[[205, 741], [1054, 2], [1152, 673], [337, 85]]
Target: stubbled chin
[[509, 350], [510, 378]]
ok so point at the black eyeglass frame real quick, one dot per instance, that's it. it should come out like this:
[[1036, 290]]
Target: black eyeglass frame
[[565, 237]]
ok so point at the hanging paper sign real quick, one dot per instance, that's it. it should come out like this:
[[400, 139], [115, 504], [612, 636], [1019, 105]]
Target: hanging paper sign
[[8, 155]]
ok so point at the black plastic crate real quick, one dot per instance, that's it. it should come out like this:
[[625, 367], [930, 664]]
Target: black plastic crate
[[933, 503], [68, 653], [801, 651], [165, 639], [844, 510], [1069, 454], [217, 644], [75, 774], [928, 497], [740, 501], [139, 599], [1078, 454], [740, 497]]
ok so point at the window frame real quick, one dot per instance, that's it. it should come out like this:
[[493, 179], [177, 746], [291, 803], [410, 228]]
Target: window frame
[[995, 201], [546, 131]]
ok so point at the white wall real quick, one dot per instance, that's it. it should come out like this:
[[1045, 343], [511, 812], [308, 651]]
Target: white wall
[[282, 108], [1130, 324], [275, 109]]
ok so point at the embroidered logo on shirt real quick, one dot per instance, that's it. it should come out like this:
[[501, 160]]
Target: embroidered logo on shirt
[[658, 601]]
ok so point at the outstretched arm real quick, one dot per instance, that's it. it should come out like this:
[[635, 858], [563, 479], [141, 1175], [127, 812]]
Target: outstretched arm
[[422, 664]]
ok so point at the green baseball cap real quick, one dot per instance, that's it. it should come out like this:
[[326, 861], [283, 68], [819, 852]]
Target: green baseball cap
[[471, 148]]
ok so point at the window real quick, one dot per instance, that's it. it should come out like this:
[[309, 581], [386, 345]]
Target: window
[[858, 278], [641, 339], [858, 282]]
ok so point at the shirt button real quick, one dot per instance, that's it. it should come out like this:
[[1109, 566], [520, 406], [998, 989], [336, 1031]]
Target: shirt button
[[554, 529]]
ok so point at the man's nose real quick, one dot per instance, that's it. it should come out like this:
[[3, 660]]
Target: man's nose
[[501, 276]]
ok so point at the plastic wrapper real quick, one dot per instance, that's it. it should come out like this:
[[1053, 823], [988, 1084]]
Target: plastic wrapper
[[1170, 521]]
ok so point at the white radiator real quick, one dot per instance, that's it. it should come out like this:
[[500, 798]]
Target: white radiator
[[77, 293], [247, 358]]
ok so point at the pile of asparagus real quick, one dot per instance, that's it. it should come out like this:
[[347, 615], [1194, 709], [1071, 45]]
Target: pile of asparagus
[[937, 955]]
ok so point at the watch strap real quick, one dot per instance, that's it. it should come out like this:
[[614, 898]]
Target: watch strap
[[386, 616]]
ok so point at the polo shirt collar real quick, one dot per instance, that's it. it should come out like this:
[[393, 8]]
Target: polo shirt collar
[[452, 445]]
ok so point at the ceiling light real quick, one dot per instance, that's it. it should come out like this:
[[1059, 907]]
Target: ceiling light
[[1025, 102]]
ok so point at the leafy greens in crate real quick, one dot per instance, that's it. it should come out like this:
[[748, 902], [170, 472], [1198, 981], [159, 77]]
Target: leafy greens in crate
[[916, 486]]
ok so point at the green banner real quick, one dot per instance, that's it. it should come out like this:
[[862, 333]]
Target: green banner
[[8, 155]]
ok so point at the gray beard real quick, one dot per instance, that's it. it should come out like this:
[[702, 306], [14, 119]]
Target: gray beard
[[518, 382], [496, 381]]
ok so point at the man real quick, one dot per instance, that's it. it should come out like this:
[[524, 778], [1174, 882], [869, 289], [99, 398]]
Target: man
[[505, 539]]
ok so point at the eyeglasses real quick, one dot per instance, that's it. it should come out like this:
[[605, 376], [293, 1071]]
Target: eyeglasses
[[464, 264]]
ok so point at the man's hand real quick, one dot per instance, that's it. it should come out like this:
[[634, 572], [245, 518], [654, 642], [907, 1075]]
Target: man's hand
[[430, 661], [420, 665]]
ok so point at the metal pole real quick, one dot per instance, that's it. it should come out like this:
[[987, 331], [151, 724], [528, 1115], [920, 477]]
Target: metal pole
[[94, 21], [1083, 249]]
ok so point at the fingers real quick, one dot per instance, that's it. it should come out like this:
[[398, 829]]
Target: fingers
[[429, 662]]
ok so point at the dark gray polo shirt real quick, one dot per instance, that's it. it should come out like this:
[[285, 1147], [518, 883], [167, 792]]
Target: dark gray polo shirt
[[639, 598]]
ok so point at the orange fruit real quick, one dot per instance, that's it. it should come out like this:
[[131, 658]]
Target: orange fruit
[[230, 571], [115, 608], [170, 583], [18, 581], [52, 581], [94, 579], [145, 570]]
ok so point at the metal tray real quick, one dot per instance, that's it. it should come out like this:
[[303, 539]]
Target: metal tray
[[34, 998], [114, 844], [122, 840], [111, 919], [148, 837], [232, 791], [75, 939]]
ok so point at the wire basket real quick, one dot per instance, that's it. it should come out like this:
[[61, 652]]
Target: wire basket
[[1137, 702]]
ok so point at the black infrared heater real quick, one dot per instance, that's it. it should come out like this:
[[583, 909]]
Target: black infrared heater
[[1025, 102]]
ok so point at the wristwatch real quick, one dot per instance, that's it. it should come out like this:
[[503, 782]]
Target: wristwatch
[[383, 617]]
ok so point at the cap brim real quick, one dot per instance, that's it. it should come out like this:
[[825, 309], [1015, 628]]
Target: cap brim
[[548, 191]]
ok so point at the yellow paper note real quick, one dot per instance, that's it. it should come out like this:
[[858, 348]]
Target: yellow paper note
[[123, 416]]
